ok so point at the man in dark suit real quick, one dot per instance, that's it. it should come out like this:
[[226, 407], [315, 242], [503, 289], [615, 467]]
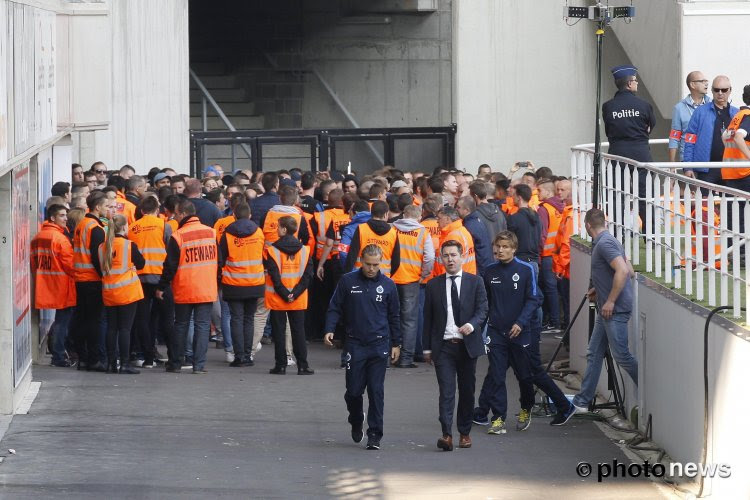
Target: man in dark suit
[[453, 339]]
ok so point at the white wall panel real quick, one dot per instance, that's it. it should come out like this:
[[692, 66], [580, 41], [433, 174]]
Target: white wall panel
[[150, 114]]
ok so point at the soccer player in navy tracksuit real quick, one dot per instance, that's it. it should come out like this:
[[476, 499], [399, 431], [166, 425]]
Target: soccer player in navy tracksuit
[[367, 303], [513, 300]]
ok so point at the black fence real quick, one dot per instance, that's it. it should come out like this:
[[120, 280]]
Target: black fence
[[323, 143]]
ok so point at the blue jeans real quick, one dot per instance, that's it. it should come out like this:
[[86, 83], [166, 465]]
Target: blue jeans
[[409, 298], [202, 321], [226, 326], [59, 332], [612, 332], [548, 283]]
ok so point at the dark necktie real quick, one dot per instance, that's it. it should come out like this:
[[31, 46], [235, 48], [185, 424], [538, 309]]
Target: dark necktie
[[455, 304]]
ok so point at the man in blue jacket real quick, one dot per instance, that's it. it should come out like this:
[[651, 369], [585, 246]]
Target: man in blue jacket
[[513, 300], [703, 135], [467, 210], [367, 303]]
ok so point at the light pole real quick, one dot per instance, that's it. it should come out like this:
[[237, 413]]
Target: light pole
[[602, 15]]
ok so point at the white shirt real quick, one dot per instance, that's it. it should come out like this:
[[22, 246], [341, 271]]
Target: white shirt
[[451, 329]]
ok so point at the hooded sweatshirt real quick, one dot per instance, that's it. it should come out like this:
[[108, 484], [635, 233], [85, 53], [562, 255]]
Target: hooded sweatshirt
[[559, 205], [525, 224], [288, 245], [379, 227], [492, 218], [241, 228], [428, 260]]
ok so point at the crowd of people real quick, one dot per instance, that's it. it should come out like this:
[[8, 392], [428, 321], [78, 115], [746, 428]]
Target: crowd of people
[[248, 259]]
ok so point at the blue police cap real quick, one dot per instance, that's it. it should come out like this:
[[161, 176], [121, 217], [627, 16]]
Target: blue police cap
[[623, 71]]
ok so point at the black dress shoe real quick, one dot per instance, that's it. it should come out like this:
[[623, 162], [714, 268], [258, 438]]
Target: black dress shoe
[[305, 371], [408, 365], [172, 369], [96, 367], [112, 368], [247, 361], [237, 363], [278, 370], [129, 370]]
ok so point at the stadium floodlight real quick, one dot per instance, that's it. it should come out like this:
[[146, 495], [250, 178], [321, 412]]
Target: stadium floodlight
[[601, 14]]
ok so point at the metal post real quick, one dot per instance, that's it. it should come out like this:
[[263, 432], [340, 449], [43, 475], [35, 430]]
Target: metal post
[[597, 133], [204, 114], [234, 159]]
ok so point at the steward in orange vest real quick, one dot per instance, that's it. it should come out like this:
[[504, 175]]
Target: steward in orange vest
[[561, 261], [270, 221], [451, 228], [242, 280], [121, 289], [326, 227], [415, 263], [289, 270], [737, 148], [550, 214], [152, 234], [54, 287], [375, 231], [124, 206], [192, 269], [88, 235], [430, 208]]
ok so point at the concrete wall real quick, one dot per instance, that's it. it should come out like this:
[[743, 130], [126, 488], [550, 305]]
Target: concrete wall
[[666, 336], [524, 84], [150, 94], [392, 74]]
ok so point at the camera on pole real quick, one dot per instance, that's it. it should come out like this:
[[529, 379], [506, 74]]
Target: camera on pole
[[602, 15]]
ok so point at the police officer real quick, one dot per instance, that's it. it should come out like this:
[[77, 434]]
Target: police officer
[[628, 121], [367, 303]]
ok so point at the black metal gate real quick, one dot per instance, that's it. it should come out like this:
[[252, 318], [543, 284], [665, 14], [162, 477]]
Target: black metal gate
[[322, 142]]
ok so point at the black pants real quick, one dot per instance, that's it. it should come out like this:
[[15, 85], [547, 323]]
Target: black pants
[[151, 314], [278, 332], [89, 307], [242, 314], [455, 365], [119, 323], [365, 370], [743, 185]]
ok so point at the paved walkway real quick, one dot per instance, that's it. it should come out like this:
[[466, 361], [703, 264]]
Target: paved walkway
[[242, 433]]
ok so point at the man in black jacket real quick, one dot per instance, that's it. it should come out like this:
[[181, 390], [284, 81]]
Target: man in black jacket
[[367, 304], [455, 309]]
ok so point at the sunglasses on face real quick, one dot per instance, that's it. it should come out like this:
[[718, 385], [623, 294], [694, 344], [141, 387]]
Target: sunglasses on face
[[720, 91]]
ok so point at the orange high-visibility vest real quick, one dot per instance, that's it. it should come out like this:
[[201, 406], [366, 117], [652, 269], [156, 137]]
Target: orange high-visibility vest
[[271, 225], [335, 216], [731, 151], [554, 217], [310, 243], [148, 234], [702, 238], [456, 231], [534, 201], [174, 225], [387, 243], [411, 246], [509, 206], [432, 226], [244, 264], [291, 269], [52, 265], [195, 279], [84, 268], [125, 207], [221, 226], [561, 258], [120, 286]]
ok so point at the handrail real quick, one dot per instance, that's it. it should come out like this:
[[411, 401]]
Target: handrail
[[687, 227], [208, 97], [275, 65]]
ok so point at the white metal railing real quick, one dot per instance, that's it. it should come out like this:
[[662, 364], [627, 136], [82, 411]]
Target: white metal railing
[[686, 239]]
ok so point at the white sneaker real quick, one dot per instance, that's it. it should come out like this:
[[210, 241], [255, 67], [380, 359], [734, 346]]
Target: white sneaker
[[138, 362], [230, 356], [290, 361], [258, 347]]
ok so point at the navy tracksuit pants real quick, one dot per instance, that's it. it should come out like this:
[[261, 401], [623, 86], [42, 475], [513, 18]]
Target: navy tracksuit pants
[[365, 369]]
